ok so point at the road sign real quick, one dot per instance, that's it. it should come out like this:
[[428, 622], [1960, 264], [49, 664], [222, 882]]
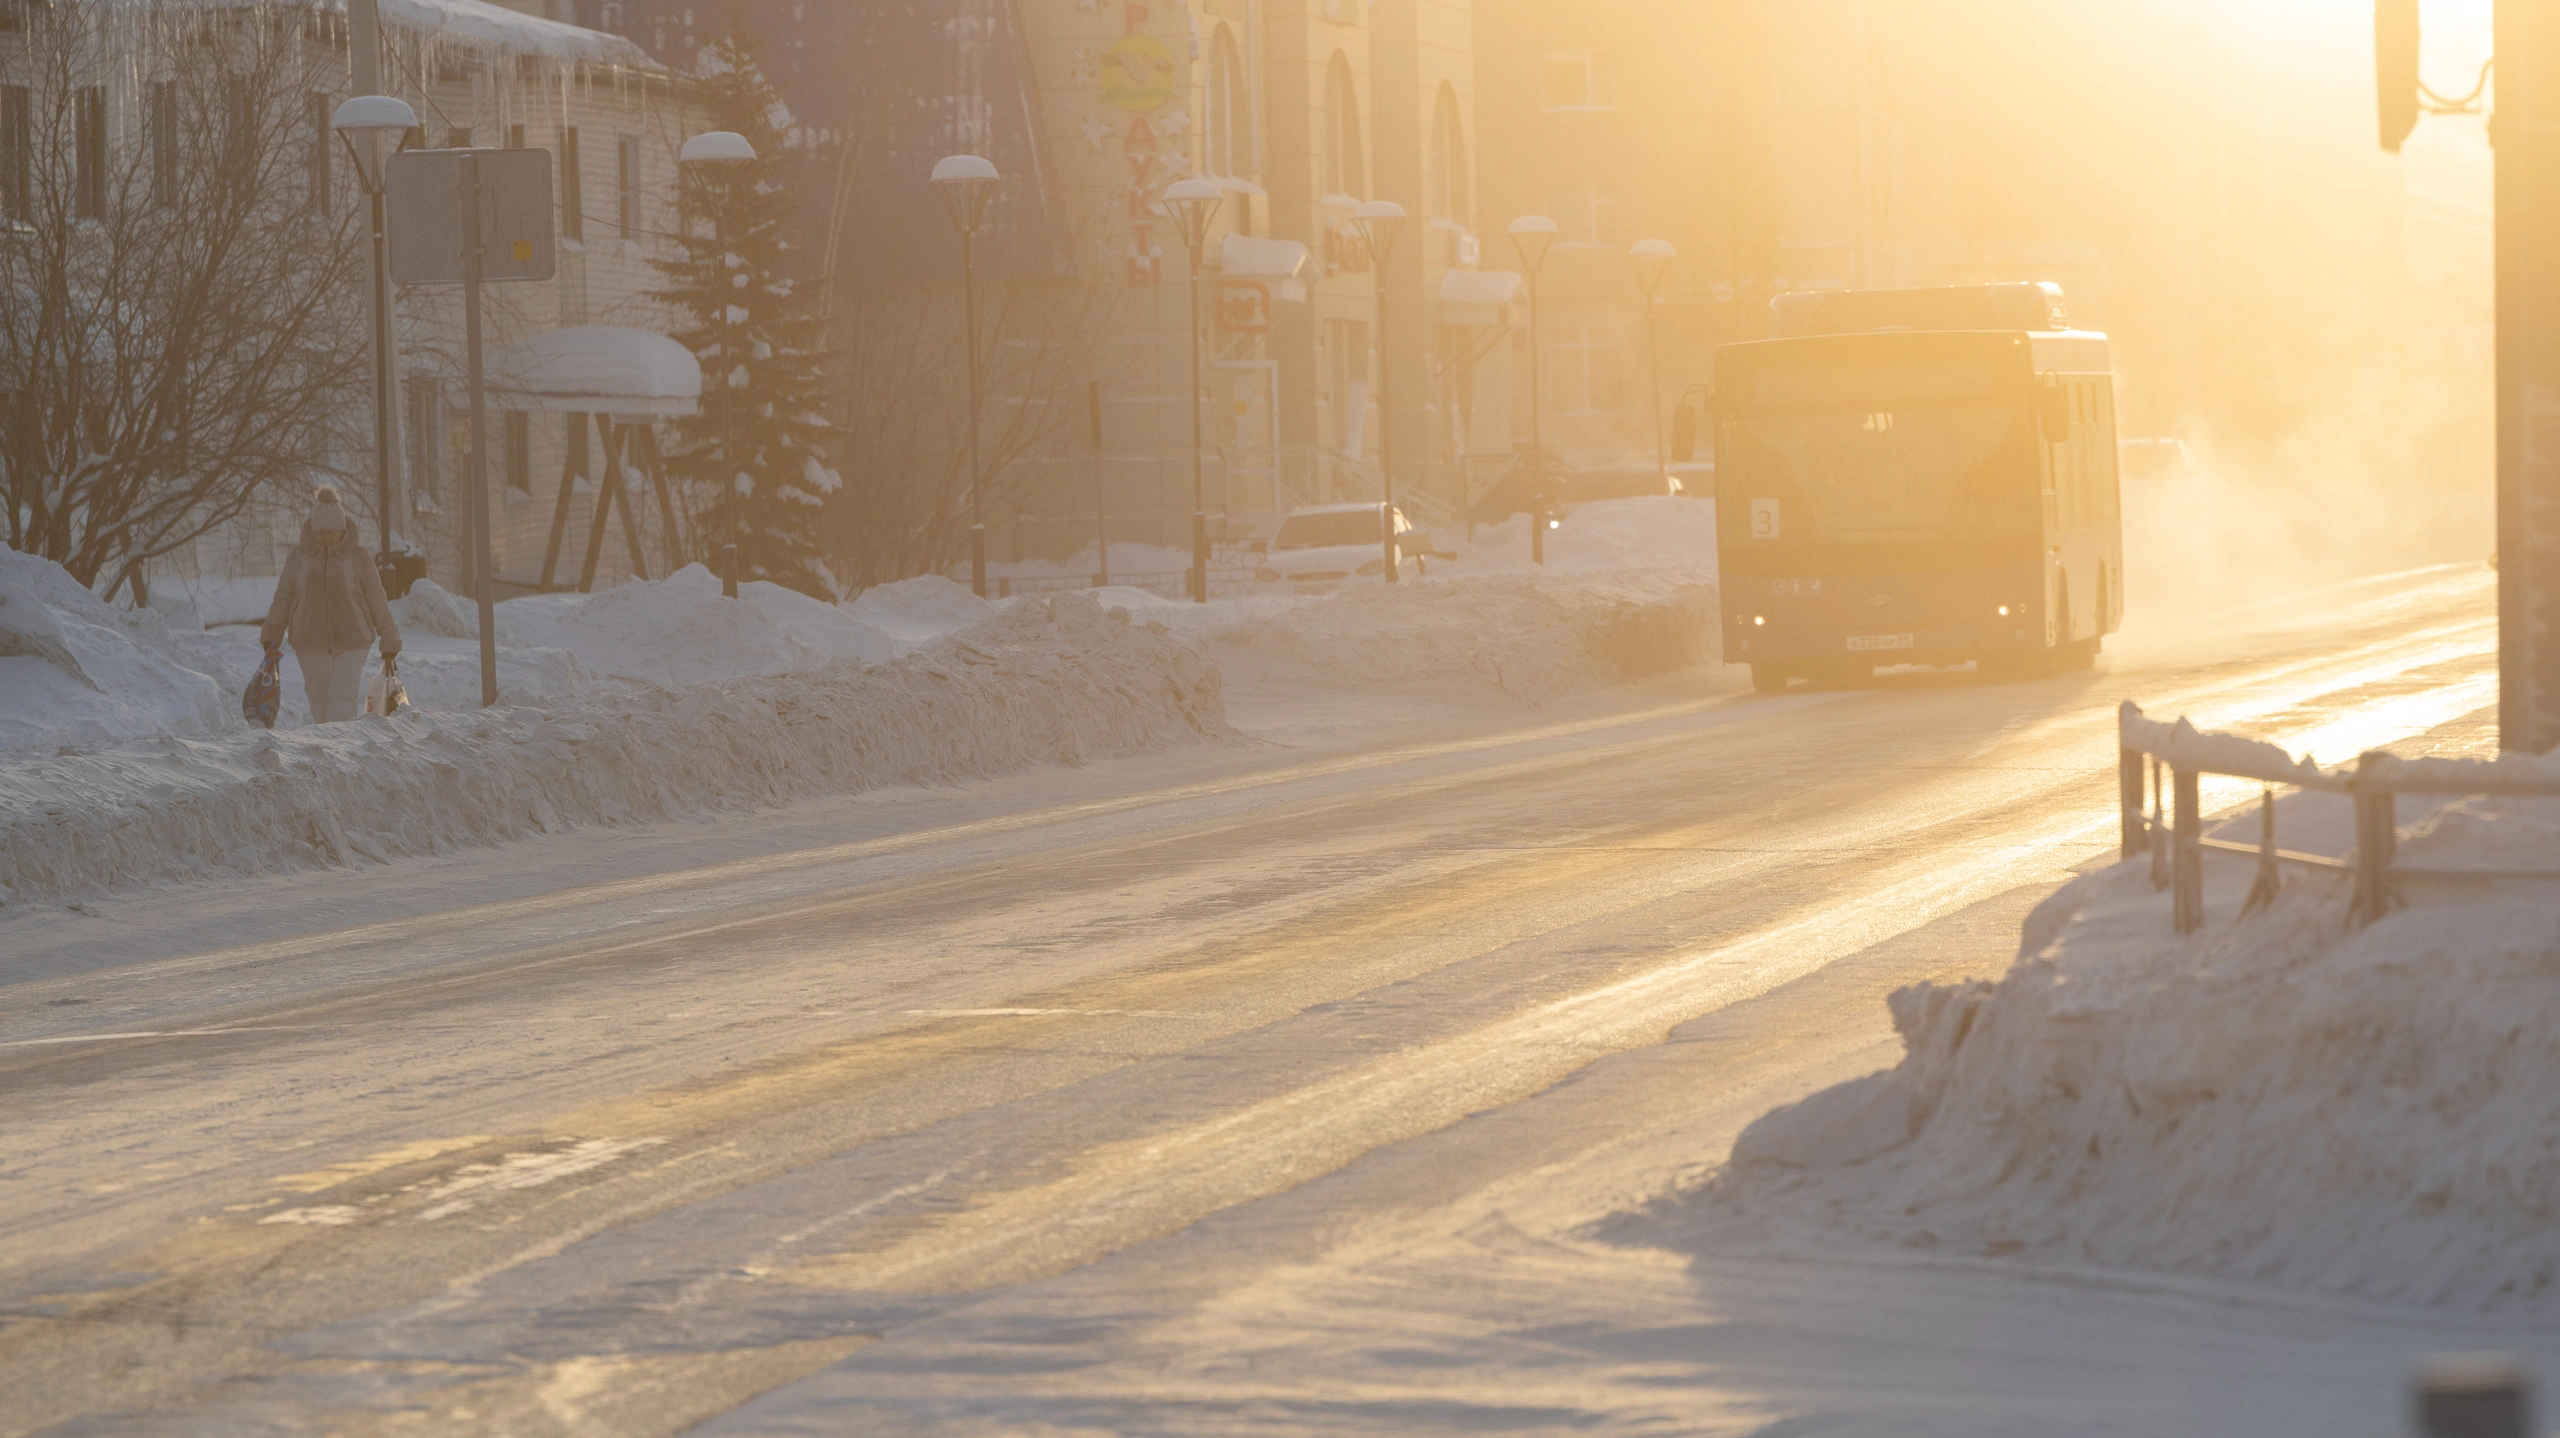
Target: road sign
[[423, 208]]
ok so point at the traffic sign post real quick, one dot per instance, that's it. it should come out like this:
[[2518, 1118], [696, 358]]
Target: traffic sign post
[[471, 217]]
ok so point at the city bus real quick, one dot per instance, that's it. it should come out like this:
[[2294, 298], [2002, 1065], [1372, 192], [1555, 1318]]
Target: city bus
[[1922, 477]]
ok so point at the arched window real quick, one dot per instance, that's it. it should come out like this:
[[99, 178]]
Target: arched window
[[1345, 171], [1450, 199], [1227, 134]]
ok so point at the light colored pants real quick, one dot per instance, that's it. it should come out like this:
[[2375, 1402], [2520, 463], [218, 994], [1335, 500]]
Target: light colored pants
[[335, 681]]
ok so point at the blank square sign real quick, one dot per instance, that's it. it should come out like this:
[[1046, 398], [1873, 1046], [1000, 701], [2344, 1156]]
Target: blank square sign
[[422, 204]]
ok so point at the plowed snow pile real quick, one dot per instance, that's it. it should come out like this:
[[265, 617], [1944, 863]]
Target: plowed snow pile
[[678, 630], [1060, 682], [73, 668], [1530, 639], [2277, 1099]]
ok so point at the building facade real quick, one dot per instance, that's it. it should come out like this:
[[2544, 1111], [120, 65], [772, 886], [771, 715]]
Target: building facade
[[1298, 109]]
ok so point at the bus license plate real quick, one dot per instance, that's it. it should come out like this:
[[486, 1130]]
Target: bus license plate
[[1858, 642]]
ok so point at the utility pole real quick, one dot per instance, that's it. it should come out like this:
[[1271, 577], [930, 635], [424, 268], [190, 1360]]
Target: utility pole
[[2525, 132], [364, 77], [2524, 135]]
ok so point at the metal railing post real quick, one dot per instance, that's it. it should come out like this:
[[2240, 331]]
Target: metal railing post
[[2159, 827], [2377, 825], [2136, 829], [2269, 883], [2186, 868]]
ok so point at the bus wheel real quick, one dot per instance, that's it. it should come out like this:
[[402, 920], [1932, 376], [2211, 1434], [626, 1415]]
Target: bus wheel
[[1768, 679]]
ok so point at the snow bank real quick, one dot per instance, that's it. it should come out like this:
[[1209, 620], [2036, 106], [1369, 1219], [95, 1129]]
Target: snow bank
[[1055, 682], [679, 630], [74, 669], [2276, 1099], [919, 610], [1529, 638]]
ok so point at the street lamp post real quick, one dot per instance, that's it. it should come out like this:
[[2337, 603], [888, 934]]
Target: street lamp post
[[1193, 204], [1531, 235], [1380, 221], [723, 151], [1652, 260], [362, 123], [966, 183]]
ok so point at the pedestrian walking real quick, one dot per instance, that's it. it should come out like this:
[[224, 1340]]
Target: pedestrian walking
[[329, 606]]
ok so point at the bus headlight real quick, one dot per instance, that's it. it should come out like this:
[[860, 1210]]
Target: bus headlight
[[2004, 611], [1758, 620]]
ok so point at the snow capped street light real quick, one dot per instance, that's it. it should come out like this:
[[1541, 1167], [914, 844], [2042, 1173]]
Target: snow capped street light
[[1531, 235], [1379, 223], [361, 124], [966, 183], [723, 153], [718, 147], [1652, 260], [1193, 206]]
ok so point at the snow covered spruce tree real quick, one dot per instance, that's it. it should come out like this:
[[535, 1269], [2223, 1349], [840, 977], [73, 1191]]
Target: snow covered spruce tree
[[761, 342]]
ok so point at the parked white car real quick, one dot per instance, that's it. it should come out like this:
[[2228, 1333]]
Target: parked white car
[[1329, 544]]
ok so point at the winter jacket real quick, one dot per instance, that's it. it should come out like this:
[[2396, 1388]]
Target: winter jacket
[[329, 597]]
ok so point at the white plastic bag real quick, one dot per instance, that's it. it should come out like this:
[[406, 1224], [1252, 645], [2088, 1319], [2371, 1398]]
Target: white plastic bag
[[383, 693]]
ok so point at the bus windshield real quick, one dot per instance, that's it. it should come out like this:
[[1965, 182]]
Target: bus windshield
[[1861, 448]]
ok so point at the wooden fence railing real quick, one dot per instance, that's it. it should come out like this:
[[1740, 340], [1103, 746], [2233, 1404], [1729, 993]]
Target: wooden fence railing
[[2163, 763]]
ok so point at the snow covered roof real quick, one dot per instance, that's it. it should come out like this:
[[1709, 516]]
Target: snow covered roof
[[1478, 297], [1249, 257], [597, 369], [482, 25]]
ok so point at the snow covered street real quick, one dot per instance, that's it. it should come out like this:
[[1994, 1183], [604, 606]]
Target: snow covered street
[[1352, 1082]]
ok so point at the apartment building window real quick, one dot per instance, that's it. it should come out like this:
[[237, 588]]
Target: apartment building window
[[1449, 191], [321, 138], [1565, 81], [89, 146], [457, 138], [627, 185], [515, 137], [425, 421], [164, 143], [519, 452], [1584, 214], [1344, 172], [573, 194], [17, 154], [1347, 357], [1586, 382]]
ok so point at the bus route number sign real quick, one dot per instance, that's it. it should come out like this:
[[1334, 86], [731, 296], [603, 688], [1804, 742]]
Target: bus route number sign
[[1764, 519]]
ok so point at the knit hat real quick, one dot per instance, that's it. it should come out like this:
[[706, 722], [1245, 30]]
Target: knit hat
[[325, 511]]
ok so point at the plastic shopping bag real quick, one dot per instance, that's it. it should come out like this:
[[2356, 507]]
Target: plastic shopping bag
[[265, 694], [384, 693]]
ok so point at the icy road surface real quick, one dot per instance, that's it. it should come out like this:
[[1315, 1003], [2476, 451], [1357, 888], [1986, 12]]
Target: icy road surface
[[1273, 1090]]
